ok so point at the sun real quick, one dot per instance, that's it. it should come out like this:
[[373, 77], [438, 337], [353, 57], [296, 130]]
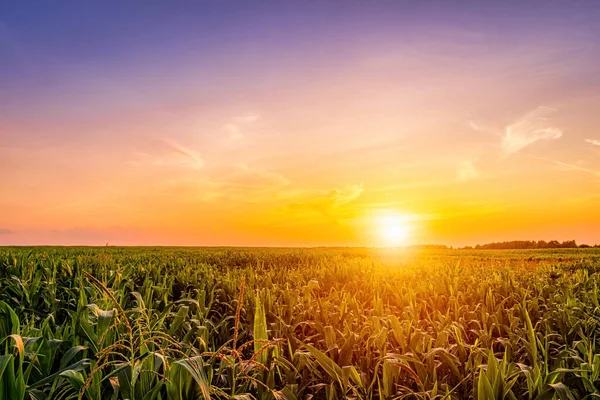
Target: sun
[[394, 230]]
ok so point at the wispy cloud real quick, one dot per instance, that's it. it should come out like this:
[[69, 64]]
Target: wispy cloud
[[595, 142], [195, 160], [176, 155], [234, 131], [467, 171], [6, 231], [568, 166], [263, 175], [346, 195], [242, 183], [329, 204], [531, 128], [248, 117], [475, 126], [571, 166], [236, 125]]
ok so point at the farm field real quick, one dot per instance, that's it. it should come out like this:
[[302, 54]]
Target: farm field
[[251, 323]]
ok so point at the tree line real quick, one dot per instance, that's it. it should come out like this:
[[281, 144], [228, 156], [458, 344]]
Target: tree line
[[531, 244]]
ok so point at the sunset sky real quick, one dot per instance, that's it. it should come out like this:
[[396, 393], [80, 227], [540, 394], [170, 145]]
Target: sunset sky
[[286, 123]]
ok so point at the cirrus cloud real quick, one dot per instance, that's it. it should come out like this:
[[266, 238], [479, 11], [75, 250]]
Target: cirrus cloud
[[169, 153], [531, 128], [236, 126], [329, 204], [467, 171], [595, 142]]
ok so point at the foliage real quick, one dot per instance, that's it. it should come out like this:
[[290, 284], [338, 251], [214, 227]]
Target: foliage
[[198, 323], [531, 244]]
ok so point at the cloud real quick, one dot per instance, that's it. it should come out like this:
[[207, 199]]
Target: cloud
[[569, 167], [6, 231], [194, 159], [329, 204], [248, 117], [262, 176], [531, 128], [595, 142], [467, 171], [243, 183], [176, 155], [473, 125], [235, 132], [236, 125], [344, 196]]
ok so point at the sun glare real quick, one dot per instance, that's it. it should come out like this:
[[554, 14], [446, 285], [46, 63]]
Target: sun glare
[[394, 230]]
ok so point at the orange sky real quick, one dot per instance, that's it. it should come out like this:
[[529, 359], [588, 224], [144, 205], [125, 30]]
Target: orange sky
[[470, 133]]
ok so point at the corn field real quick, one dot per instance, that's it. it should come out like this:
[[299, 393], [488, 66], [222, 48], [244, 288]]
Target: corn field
[[233, 323]]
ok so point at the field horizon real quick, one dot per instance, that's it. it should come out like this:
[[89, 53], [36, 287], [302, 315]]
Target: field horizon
[[505, 245]]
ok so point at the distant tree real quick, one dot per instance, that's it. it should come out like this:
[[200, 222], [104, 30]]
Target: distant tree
[[528, 244], [569, 244]]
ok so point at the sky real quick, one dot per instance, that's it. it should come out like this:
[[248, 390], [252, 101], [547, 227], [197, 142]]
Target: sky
[[299, 123]]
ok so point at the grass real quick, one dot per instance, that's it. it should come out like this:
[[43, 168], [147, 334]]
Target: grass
[[224, 323]]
